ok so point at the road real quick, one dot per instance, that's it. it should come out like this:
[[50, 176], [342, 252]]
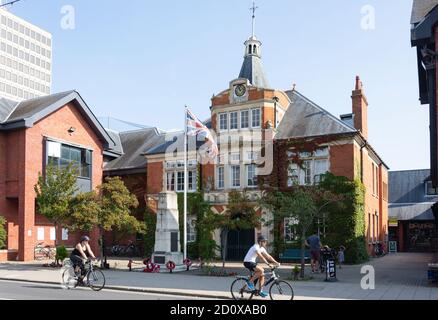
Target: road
[[12, 290]]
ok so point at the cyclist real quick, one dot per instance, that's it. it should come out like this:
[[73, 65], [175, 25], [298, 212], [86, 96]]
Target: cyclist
[[258, 250], [81, 251]]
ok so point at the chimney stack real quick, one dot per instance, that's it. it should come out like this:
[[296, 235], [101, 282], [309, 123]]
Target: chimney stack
[[360, 108]]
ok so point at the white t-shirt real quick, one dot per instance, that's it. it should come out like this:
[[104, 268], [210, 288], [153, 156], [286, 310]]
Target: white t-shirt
[[251, 256]]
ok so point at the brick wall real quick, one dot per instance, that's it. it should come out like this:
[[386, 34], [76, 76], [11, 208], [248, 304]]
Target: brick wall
[[342, 160], [22, 164], [155, 177]]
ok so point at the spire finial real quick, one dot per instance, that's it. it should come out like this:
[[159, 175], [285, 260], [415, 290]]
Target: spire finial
[[253, 9]]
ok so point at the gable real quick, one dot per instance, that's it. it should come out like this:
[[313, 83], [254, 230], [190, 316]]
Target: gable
[[26, 113]]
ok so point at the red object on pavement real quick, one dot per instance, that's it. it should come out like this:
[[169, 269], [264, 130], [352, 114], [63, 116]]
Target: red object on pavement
[[171, 266], [188, 263], [130, 265]]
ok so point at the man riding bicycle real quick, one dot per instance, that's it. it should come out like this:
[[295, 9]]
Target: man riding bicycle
[[81, 252], [258, 250]]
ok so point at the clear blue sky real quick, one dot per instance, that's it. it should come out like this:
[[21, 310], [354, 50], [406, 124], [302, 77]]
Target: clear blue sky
[[142, 61]]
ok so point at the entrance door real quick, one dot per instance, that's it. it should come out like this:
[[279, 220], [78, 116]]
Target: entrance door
[[239, 243]]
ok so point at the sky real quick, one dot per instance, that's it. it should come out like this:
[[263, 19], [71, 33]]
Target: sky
[[142, 61]]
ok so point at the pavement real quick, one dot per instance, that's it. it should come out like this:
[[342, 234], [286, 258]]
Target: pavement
[[397, 277]]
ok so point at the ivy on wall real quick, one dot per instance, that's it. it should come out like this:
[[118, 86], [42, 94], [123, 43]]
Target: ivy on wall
[[345, 224], [346, 220], [2, 233]]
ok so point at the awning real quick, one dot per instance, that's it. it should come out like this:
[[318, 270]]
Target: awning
[[414, 211]]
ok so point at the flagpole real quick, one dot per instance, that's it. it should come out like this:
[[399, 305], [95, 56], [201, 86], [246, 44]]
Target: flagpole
[[185, 184]]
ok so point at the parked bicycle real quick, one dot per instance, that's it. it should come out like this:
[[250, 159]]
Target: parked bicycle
[[278, 290], [94, 277], [129, 250], [379, 251], [42, 252]]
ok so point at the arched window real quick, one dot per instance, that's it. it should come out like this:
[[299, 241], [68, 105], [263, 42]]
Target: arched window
[[255, 49], [249, 49]]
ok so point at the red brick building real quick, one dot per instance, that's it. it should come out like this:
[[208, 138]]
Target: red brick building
[[59, 128], [243, 115]]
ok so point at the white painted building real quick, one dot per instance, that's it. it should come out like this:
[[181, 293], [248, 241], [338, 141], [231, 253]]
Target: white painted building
[[25, 59]]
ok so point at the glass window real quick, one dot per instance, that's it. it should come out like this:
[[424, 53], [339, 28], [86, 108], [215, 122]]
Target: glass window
[[256, 118], [251, 174], [234, 121], [191, 231], [180, 181], [244, 119], [235, 176], [192, 180], [81, 159], [290, 229], [220, 177], [170, 181], [430, 190], [306, 173], [223, 121], [321, 168]]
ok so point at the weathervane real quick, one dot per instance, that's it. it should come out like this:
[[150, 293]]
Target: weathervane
[[253, 9]]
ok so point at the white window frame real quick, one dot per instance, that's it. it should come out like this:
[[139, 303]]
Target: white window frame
[[236, 114], [218, 178], [41, 234], [259, 118], [248, 119], [191, 231], [233, 185], [286, 230], [248, 166], [220, 121]]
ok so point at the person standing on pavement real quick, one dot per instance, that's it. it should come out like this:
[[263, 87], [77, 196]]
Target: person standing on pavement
[[314, 243]]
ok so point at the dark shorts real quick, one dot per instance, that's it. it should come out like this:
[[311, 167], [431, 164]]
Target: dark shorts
[[77, 262], [250, 266], [315, 254]]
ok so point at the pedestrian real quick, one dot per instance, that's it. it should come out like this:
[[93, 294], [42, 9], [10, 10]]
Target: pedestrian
[[314, 242], [341, 256]]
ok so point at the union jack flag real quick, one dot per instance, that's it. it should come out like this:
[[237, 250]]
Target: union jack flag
[[196, 128]]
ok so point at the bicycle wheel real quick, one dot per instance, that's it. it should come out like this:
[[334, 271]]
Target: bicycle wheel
[[281, 290], [69, 278], [239, 290], [96, 280]]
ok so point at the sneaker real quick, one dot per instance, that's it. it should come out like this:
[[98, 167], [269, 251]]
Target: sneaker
[[263, 294], [250, 286]]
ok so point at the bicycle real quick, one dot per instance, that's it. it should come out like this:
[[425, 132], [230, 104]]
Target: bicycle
[[94, 277], [279, 289], [42, 252]]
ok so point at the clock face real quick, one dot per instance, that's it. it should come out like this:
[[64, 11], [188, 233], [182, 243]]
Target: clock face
[[240, 90]]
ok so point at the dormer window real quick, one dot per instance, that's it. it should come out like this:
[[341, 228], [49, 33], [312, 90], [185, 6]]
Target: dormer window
[[430, 190]]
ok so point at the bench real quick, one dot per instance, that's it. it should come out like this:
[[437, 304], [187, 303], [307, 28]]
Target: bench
[[294, 254]]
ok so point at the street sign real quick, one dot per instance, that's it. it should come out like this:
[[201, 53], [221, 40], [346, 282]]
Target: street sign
[[331, 270]]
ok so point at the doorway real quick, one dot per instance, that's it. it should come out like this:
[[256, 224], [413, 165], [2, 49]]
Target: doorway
[[239, 242]]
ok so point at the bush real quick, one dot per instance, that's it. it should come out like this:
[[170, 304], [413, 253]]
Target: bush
[[2, 233], [61, 253], [150, 220], [192, 250]]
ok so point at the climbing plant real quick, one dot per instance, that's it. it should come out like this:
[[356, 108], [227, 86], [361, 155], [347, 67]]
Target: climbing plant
[[345, 218], [2, 233]]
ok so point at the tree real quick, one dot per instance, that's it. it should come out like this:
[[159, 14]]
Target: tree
[[54, 193], [240, 215], [304, 204], [109, 209], [2, 233]]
